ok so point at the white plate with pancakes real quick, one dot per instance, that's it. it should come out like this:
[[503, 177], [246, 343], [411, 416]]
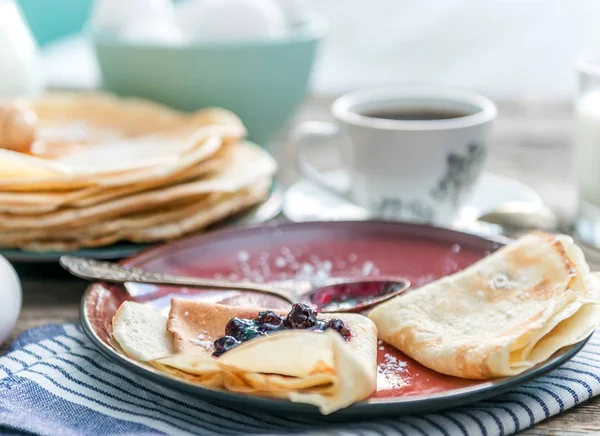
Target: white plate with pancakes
[[103, 176], [480, 319]]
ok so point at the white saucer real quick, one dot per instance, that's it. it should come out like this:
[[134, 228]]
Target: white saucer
[[307, 201]]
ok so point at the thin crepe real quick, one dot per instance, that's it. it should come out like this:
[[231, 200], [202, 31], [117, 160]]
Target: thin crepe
[[82, 139], [500, 316], [247, 164], [205, 144], [141, 333], [303, 366], [159, 225], [30, 203]]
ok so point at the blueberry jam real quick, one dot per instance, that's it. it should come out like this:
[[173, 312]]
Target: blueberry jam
[[347, 295], [301, 316]]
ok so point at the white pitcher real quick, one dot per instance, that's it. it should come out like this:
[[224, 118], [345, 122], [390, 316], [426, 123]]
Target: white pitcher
[[20, 74]]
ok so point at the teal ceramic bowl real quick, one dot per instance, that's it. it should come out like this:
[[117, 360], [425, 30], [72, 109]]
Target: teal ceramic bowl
[[263, 80]]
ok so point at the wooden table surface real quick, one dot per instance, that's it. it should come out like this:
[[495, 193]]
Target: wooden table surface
[[532, 144]]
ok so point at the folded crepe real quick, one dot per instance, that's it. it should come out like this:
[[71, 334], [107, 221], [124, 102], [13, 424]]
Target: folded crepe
[[501, 315], [91, 139], [158, 225], [190, 167], [163, 213], [303, 366], [247, 163]]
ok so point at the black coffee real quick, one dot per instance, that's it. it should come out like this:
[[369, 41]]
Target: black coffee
[[417, 114]]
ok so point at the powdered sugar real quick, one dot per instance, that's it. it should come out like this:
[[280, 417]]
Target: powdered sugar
[[450, 266], [388, 372], [501, 281], [258, 267], [391, 364], [307, 269], [203, 342], [316, 273], [207, 345], [423, 280], [367, 268]]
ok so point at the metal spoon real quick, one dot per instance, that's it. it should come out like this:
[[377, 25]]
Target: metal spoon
[[351, 295], [517, 218]]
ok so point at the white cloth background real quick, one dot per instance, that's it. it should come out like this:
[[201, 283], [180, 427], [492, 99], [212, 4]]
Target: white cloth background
[[504, 48], [521, 49]]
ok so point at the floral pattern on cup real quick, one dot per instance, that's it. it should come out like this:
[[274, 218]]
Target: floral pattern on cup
[[396, 209], [461, 171]]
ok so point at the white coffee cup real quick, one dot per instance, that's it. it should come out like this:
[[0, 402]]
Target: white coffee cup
[[419, 170]]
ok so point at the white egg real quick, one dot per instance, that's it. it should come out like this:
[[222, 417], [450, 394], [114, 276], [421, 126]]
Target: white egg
[[231, 19], [116, 15], [10, 298], [293, 10], [161, 31]]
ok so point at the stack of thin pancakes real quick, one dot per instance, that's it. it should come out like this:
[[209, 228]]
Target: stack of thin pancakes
[[99, 169]]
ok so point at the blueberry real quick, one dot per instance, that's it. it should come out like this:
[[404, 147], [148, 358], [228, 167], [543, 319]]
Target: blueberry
[[300, 317], [321, 325], [250, 333], [236, 328], [268, 320], [338, 326], [223, 344]]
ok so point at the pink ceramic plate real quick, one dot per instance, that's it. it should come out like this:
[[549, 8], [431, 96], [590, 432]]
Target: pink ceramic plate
[[315, 251]]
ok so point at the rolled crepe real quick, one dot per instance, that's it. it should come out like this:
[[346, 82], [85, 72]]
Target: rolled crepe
[[141, 333], [303, 366], [500, 316]]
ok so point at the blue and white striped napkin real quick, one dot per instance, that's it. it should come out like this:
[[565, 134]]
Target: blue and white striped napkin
[[54, 382]]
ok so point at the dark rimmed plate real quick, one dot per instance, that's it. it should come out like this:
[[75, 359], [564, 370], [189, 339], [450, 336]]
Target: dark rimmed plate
[[258, 214], [281, 252]]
